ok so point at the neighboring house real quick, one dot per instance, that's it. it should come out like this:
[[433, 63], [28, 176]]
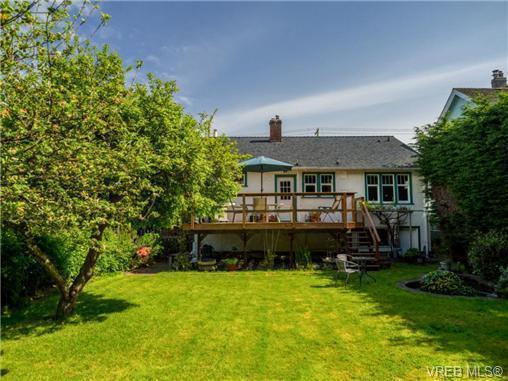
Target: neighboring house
[[460, 97], [378, 168]]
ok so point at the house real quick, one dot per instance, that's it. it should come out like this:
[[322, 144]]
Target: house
[[320, 200], [460, 97]]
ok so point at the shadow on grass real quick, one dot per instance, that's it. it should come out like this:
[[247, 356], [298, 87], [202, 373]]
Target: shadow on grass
[[475, 328], [38, 318]]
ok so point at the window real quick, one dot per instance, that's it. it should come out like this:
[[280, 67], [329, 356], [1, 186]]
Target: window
[[309, 183], [372, 188], [403, 188], [285, 187], [243, 179], [318, 182], [387, 188], [326, 183]]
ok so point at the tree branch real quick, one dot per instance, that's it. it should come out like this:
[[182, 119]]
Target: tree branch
[[48, 265]]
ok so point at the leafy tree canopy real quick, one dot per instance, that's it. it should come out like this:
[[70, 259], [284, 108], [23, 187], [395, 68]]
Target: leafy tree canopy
[[466, 163], [83, 150]]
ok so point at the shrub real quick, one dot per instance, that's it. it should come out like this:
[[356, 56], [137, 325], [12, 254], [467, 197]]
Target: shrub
[[269, 260], [488, 254], [21, 275], [502, 284], [445, 282], [412, 253], [181, 262], [67, 250], [151, 240], [303, 258], [118, 251]]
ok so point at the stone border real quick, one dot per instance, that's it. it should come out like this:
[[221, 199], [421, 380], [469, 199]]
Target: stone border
[[403, 285]]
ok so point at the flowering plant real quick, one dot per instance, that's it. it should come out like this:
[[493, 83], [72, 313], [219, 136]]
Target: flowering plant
[[144, 252]]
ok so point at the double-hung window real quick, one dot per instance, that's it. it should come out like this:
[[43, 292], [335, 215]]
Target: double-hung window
[[326, 183], [318, 182], [388, 187], [372, 188], [310, 183], [403, 188]]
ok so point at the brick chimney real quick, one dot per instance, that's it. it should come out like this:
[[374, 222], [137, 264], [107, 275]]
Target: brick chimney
[[275, 129], [498, 79]]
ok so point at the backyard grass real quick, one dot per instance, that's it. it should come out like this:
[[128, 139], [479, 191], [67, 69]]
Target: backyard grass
[[254, 325]]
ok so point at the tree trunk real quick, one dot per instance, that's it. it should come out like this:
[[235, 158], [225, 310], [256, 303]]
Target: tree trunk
[[68, 301], [68, 297], [65, 306]]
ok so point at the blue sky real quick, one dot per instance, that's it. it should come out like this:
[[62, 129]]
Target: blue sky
[[348, 68]]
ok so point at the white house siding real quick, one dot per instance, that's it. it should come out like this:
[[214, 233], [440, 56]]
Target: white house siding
[[345, 181]]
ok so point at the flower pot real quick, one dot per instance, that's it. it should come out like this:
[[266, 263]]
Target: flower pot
[[232, 267], [207, 265]]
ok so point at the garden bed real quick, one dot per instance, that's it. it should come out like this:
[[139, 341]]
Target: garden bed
[[484, 289]]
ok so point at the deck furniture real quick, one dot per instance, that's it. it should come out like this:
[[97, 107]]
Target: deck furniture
[[345, 266], [329, 211], [260, 208], [363, 263]]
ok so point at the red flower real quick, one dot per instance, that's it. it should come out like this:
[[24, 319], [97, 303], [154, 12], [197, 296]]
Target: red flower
[[144, 251]]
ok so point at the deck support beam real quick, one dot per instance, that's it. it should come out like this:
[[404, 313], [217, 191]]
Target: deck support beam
[[292, 263]]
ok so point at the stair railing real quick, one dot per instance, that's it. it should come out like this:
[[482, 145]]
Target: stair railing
[[368, 222]]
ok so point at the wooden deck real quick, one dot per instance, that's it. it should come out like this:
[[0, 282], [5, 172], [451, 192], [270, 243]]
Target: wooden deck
[[217, 227], [266, 211]]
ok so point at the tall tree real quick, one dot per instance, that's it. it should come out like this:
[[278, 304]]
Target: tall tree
[[81, 150], [466, 164]]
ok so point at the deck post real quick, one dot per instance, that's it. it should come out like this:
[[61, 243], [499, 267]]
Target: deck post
[[294, 217], [198, 249], [353, 205], [344, 209], [291, 251], [244, 211], [244, 245]]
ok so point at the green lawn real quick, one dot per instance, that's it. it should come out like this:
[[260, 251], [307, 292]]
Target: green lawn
[[254, 325]]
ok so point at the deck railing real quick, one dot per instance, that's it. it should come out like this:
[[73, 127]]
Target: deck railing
[[288, 209]]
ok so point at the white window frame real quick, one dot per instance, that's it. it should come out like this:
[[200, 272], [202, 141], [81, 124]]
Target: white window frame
[[376, 186], [407, 185], [382, 185], [321, 183], [315, 183]]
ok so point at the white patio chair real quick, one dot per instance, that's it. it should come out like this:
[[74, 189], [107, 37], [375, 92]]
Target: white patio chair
[[345, 266]]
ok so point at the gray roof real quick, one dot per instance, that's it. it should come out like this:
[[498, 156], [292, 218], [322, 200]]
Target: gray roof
[[489, 93], [352, 152]]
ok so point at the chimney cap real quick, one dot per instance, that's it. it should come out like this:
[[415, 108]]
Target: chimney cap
[[498, 79]]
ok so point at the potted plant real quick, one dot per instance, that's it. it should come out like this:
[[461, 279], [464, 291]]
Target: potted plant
[[315, 217], [231, 264]]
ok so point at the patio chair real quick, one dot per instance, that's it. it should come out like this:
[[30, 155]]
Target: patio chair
[[328, 211], [345, 266]]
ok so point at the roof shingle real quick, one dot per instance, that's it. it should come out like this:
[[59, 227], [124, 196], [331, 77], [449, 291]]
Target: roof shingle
[[351, 152], [487, 92]]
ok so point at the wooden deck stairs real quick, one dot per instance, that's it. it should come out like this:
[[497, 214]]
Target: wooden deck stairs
[[364, 242]]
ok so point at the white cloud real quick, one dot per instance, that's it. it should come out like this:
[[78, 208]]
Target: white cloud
[[354, 98], [186, 101], [153, 59]]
